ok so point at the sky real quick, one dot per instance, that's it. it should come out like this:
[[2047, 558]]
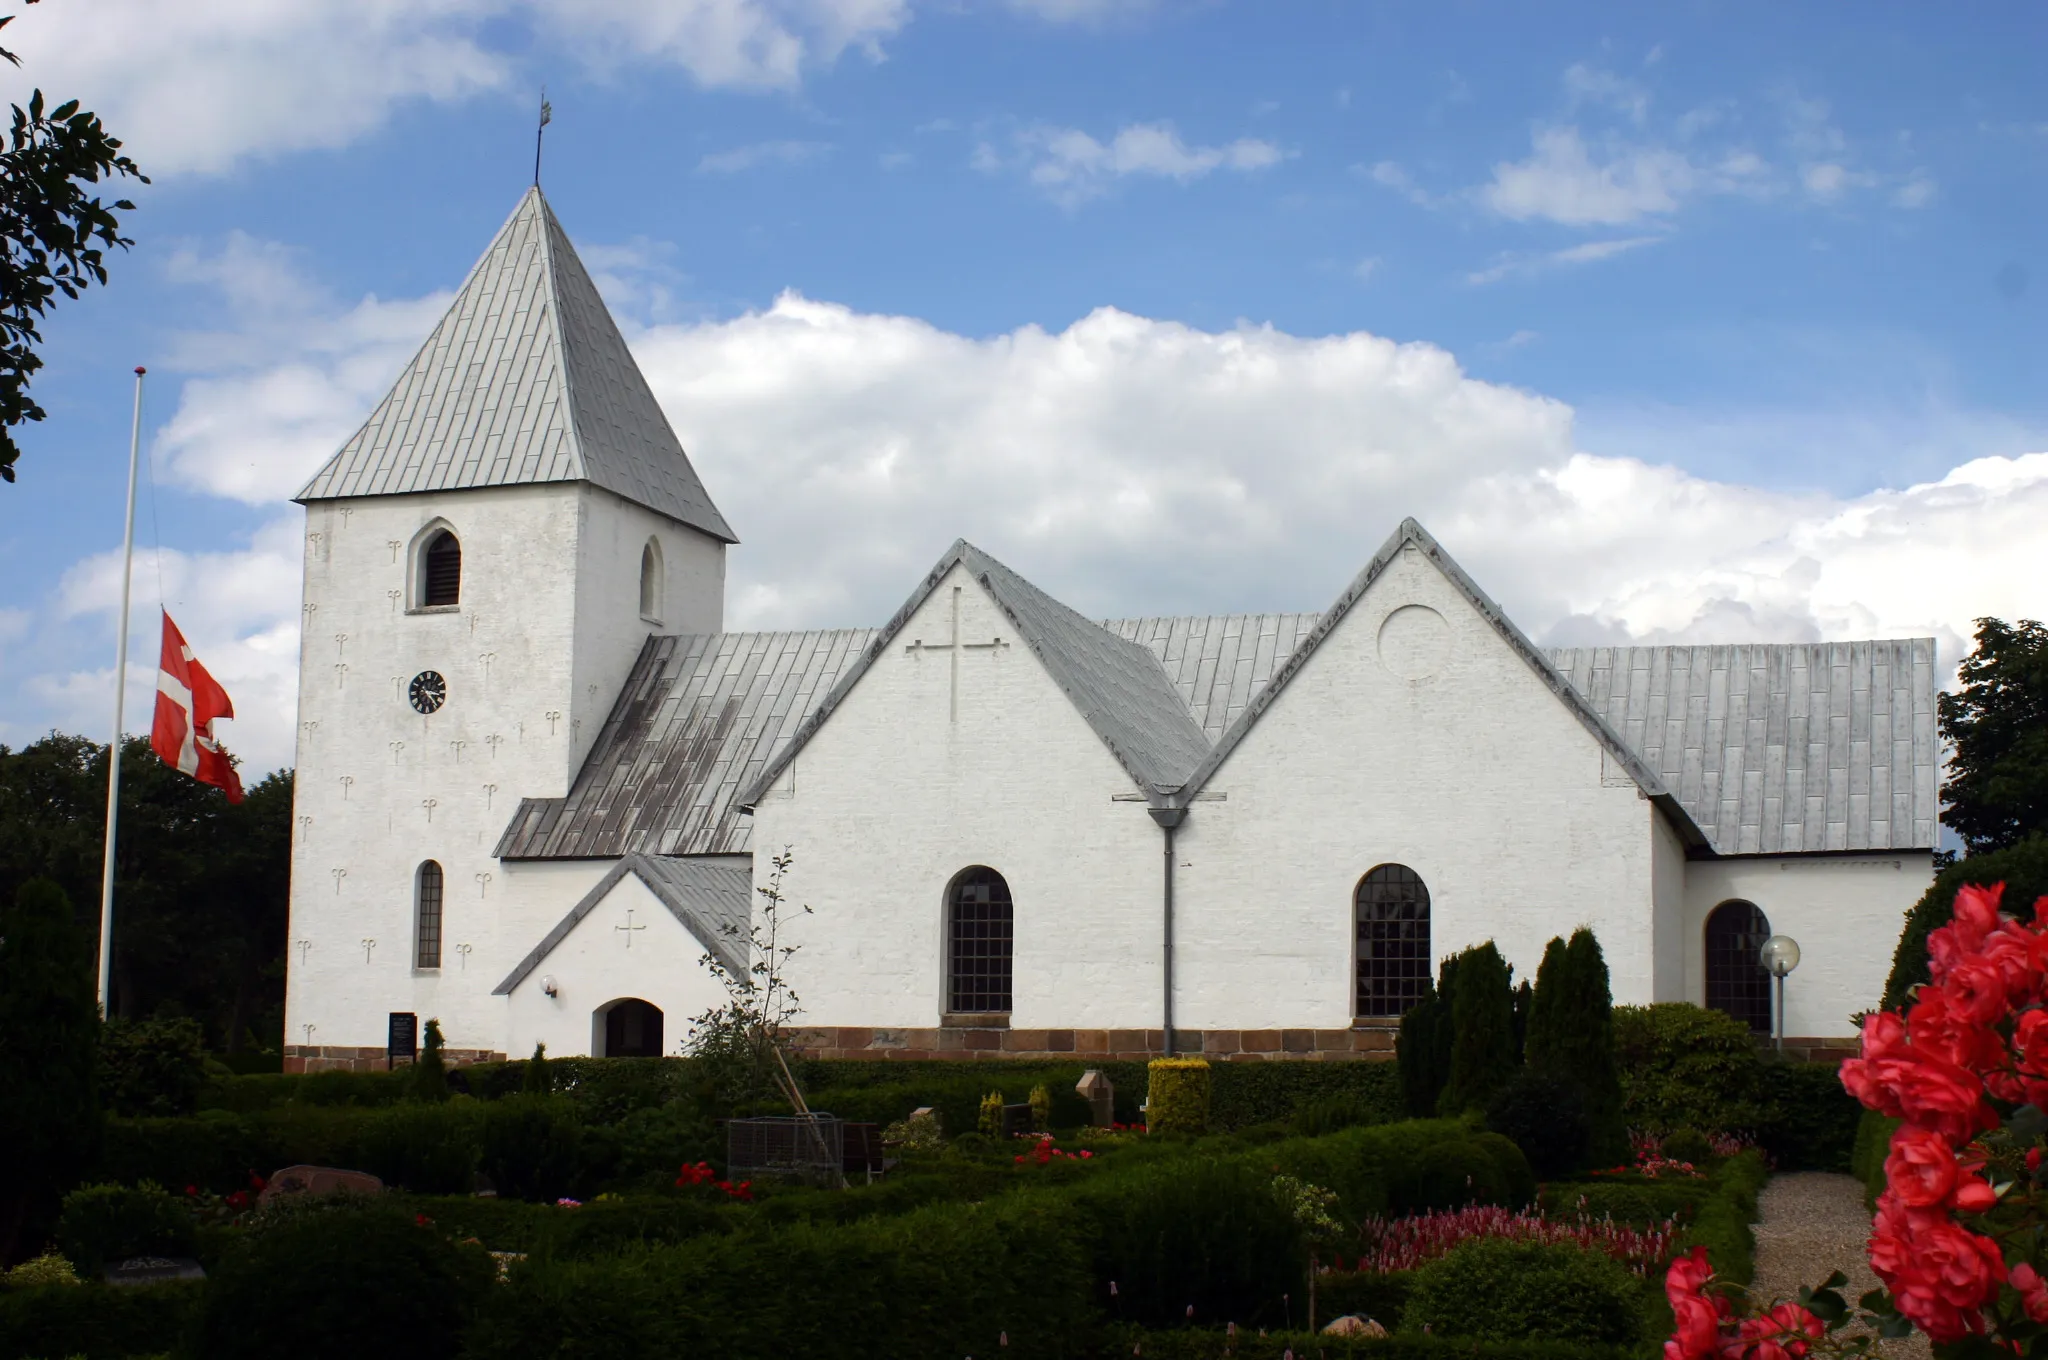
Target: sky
[[1701, 322]]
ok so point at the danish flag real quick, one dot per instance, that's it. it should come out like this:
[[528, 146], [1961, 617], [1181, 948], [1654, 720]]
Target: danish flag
[[187, 701]]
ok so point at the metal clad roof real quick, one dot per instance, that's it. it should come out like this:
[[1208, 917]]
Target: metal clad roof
[[526, 379], [713, 898], [1782, 747], [1206, 676], [691, 728]]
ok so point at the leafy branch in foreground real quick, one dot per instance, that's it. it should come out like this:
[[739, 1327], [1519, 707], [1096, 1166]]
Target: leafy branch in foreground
[[53, 235]]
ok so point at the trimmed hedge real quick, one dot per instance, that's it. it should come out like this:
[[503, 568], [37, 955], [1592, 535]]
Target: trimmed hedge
[[1177, 1095], [947, 1281], [97, 1322], [1722, 1223], [1811, 1122], [1207, 1345], [1380, 1296], [1498, 1289]]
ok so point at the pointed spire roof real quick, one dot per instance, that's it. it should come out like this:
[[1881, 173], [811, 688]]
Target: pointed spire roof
[[526, 379]]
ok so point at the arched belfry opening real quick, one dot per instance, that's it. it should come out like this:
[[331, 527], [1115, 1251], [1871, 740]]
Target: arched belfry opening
[[650, 581], [632, 1029]]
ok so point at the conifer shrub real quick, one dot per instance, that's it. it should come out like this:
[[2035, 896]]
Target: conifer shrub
[[1497, 1289], [103, 1225], [1571, 1038], [1423, 1049], [1545, 1116], [1517, 1177], [1177, 1095], [537, 1079], [430, 1069], [366, 1281], [1482, 1031], [49, 1027]]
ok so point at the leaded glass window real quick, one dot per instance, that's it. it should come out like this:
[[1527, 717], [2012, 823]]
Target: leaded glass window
[[1391, 912], [427, 894], [979, 925], [1737, 981]]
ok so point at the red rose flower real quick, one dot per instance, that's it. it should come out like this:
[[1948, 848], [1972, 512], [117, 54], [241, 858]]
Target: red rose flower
[[1940, 1274], [2033, 1291], [1921, 1169], [1975, 988], [1946, 1098], [1884, 1035]]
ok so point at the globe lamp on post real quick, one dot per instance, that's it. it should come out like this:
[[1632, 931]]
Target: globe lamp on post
[[1780, 955]]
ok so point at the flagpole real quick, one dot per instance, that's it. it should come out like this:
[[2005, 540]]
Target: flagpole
[[120, 692]]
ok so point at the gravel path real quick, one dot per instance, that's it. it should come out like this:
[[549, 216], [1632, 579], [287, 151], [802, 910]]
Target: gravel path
[[1809, 1223]]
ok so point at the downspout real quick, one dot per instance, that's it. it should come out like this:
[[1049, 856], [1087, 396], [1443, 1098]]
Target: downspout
[[1169, 819]]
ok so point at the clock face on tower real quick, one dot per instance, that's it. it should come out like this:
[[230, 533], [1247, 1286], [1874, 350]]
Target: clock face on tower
[[428, 691]]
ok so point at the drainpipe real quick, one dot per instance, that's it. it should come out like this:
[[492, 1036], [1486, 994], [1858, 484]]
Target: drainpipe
[[1168, 818]]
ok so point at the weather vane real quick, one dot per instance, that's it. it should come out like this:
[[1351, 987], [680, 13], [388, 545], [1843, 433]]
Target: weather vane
[[547, 113]]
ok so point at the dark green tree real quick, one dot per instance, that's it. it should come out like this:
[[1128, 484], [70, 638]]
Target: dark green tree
[[201, 885], [1996, 723], [55, 235], [1423, 1048], [49, 1032], [430, 1069], [1547, 1014], [538, 1079], [1482, 1031]]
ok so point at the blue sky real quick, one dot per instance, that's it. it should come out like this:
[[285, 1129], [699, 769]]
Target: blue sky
[[1694, 322]]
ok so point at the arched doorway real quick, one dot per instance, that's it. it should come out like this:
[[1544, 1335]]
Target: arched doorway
[[632, 1029], [1736, 979]]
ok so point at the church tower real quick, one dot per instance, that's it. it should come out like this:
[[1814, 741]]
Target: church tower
[[483, 562]]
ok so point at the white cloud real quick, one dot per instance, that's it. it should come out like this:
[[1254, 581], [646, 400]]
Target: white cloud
[[1523, 265], [760, 153], [239, 610], [1589, 85], [1917, 192], [1071, 166], [202, 87], [1366, 268], [1562, 182], [1138, 466]]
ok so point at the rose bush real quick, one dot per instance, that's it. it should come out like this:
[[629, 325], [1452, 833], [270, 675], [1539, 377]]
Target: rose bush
[[1961, 1234]]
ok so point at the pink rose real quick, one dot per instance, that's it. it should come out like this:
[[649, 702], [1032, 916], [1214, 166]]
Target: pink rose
[[2033, 1291]]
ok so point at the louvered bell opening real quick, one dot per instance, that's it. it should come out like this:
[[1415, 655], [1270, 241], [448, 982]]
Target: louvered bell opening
[[443, 572]]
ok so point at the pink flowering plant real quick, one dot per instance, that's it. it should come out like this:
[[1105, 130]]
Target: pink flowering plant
[[1406, 1243], [1961, 1236]]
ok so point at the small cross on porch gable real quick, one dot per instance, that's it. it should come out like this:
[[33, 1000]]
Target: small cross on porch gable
[[629, 928], [953, 646]]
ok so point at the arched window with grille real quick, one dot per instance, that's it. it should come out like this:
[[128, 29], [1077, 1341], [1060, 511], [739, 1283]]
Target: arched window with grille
[[1390, 911], [979, 935], [427, 916], [650, 582], [440, 571], [1737, 981]]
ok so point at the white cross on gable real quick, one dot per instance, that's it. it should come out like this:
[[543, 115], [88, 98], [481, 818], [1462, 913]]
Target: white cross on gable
[[953, 646], [629, 927]]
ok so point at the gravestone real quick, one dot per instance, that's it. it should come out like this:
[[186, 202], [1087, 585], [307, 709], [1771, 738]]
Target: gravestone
[[319, 1180], [154, 1270], [1017, 1119], [1096, 1089]]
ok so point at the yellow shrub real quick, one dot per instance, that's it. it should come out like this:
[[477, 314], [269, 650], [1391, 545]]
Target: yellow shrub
[[991, 1120], [1177, 1096]]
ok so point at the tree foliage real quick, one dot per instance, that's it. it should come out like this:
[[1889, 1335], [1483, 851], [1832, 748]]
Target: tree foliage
[[1482, 1030], [49, 1029], [1571, 1037], [200, 884], [1423, 1049], [1997, 725], [745, 1045], [54, 232]]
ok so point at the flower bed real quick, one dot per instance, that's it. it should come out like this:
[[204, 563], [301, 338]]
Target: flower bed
[[1405, 1243]]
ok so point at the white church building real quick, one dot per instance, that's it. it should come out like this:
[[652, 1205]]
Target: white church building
[[538, 781]]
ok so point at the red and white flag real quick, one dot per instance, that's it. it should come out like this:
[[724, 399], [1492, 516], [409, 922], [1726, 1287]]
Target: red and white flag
[[187, 701]]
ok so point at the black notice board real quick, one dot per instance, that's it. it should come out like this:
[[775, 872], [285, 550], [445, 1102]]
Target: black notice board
[[404, 1041]]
